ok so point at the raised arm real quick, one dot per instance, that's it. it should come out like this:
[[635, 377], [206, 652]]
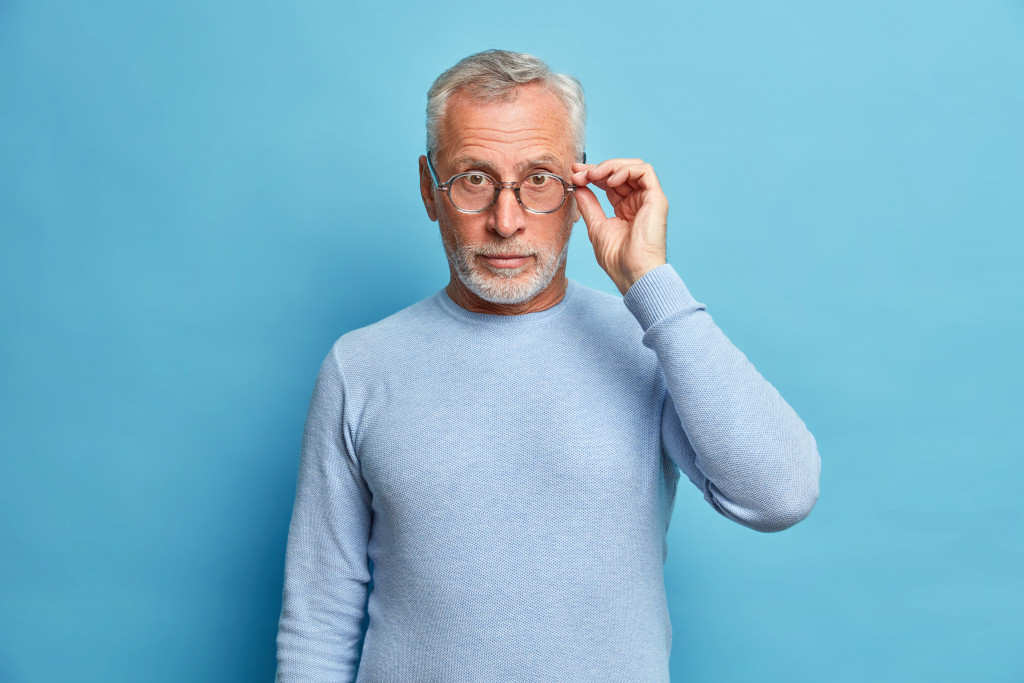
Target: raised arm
[[723, 424], [326, 570]]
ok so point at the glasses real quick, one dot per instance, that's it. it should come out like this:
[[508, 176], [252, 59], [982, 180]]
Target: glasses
[[475, 192]]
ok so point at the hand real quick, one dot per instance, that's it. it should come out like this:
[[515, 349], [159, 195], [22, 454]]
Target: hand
[[632, 242]]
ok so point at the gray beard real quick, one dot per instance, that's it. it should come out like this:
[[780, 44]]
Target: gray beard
[[503, 286]]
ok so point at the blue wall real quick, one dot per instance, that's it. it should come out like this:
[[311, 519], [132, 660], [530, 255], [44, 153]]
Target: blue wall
[[197, 198]]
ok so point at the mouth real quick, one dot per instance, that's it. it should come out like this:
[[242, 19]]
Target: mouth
[[506, 260]]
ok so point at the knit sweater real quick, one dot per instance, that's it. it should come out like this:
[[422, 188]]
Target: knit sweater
[[509, 481]]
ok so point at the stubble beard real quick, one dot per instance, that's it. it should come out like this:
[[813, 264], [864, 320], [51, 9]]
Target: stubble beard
[[505, 285]]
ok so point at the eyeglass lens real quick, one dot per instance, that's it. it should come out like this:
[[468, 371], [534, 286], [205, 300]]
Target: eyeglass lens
[[538, 192]]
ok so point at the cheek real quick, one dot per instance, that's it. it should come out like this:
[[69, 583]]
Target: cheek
[[565, 228], [462, 228]]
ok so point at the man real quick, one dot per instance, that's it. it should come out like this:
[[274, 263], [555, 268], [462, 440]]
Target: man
[[506, 452]]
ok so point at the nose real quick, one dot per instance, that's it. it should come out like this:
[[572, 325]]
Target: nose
[[507, 217]]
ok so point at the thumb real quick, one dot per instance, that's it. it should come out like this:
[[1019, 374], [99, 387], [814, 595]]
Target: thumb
[[589, 206]]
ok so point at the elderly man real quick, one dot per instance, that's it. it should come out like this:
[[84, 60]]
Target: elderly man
[[502, 457]]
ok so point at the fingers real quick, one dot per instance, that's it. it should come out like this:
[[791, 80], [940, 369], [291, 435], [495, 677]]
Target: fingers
[[589, 206], [591, 173], [621, 176]]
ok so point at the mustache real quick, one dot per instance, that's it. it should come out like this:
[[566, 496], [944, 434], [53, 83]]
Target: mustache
[[512, 247]]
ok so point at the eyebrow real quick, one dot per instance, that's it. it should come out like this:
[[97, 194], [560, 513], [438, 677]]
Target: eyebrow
[[544, 160]]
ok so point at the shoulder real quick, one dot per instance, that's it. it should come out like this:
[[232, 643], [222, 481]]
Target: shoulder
[[382, 338], [602, 311], [603, 329]]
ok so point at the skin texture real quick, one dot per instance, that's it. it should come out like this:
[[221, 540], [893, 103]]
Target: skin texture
[[509, 139]]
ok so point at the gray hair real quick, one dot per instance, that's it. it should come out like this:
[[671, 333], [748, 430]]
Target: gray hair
[[493, 76]]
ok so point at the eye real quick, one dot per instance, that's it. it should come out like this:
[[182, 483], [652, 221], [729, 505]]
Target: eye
[[476, 179], [538, 179]]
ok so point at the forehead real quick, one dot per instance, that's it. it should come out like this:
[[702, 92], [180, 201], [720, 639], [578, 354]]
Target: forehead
[[532, 124]]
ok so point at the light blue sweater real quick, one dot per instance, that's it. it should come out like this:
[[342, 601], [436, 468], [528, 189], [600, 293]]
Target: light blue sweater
[[512, 479]]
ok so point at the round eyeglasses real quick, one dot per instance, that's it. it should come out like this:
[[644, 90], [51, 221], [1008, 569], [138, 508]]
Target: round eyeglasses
[[475, 192]]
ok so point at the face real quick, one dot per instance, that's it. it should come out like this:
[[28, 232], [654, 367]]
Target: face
[[505, 259]]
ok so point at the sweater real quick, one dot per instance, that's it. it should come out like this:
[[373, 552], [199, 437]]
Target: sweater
[[508, 482]]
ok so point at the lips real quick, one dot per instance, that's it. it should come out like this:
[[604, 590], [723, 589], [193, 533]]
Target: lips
[[506, 260]]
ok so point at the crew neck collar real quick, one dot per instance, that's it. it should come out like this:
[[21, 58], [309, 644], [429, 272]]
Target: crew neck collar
[[515, 320]]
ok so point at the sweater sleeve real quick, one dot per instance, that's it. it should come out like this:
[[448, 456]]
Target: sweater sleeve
[[326, 571], [723, 424]]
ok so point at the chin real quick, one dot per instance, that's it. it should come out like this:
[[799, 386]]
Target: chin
[[508, 286], [506, 289]]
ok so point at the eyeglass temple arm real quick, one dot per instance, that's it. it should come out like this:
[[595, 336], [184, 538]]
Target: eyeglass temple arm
[[433, 173]]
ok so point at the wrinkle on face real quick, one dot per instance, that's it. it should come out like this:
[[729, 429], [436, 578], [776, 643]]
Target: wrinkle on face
[[464, 163], [506, 140], [533, 124]]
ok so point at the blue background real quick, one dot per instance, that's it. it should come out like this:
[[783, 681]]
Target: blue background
[[197, 198]]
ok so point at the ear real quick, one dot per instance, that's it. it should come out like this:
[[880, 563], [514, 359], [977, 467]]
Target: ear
[[576, 215], [427, 189]]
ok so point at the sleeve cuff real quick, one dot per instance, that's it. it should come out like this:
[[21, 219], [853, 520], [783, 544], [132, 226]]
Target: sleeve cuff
[[657, 295]]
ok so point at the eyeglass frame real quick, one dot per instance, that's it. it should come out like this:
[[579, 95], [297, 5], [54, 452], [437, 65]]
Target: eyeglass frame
[[498, 187]]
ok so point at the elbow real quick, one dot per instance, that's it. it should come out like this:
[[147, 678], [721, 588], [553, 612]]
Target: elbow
[[778, 514], [777, 491], [776, 506], [793, 508], [795, 497]]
